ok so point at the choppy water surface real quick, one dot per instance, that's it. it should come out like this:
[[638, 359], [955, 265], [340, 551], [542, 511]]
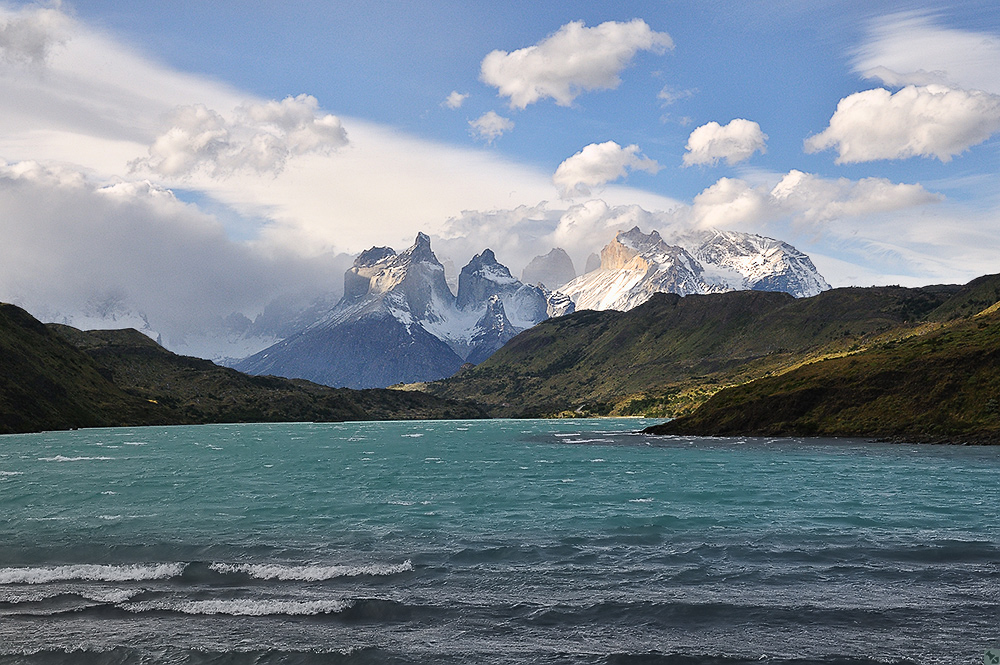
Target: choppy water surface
[[492, 542]]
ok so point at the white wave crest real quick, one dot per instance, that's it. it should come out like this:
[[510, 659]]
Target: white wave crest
[[63, 458], [19, 595], [309, 573], [91, 572], [244, 607], [11, 473]]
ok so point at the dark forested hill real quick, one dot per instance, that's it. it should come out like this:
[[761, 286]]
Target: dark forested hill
[[668, 355], [57, 377], [940, 386]]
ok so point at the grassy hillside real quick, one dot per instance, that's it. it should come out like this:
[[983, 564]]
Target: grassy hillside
[[46, 383], [57, 377], [670, 354], [940, 386]]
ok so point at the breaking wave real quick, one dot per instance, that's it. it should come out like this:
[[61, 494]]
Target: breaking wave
[[243, 607], [309, 573], [91, 572]]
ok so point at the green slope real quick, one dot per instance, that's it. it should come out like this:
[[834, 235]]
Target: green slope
[[57, 377], [940, 386], [668, 355], [46, 383]]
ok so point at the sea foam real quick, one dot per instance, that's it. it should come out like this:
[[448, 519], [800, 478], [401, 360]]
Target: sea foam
[[243, 607], [309, 573], [91, 572]]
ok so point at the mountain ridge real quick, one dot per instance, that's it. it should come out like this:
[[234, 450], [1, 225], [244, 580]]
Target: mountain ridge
[[57, 377], [939, 385], [670, 354]]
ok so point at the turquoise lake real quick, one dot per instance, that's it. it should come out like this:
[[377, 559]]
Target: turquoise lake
[[506, 541]]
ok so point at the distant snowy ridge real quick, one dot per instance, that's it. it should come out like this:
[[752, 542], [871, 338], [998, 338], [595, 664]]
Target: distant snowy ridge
[[636, 265]]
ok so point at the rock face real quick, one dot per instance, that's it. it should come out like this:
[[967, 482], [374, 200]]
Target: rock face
[[399, 322], [551, 270], [635, 265], [558, 304], [484, 277], [750, 261]]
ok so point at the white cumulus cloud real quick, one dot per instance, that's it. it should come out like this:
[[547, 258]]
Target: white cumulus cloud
[[490, 126], [598, 164], [734, 142], [29, 35], [803, 198], [917, 121], [260, 137], [573, 60], [455, 99]]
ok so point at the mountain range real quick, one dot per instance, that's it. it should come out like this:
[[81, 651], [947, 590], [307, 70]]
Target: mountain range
[[399, 322]]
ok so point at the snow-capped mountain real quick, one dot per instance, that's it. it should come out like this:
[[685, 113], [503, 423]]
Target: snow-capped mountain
[[399, 322], [635, 265], [749, 261]]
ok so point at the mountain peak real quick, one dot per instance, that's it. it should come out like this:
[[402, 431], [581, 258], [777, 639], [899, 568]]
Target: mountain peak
[[552, 270], [483, 277], [420, 251], [635, 265], [370, 257]]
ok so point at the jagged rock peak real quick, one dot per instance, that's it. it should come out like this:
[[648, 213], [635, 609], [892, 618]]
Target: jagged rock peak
[[492, 330], [634, 266], [495, 317], [414, 274], [636, 251], [482, 277], [370, 257], [420, 251], [558, 304], [551, 270]]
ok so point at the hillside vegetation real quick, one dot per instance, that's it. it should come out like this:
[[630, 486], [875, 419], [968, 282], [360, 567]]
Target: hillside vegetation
[[669, 355], [943, 385], [57, 377]]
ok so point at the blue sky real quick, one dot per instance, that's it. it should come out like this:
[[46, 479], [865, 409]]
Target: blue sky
[[336, 135]]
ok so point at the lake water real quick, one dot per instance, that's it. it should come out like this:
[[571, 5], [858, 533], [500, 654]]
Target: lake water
[[492, 542]]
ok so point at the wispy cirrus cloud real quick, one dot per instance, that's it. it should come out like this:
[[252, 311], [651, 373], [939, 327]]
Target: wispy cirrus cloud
[[573, 60], [913, 48]]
